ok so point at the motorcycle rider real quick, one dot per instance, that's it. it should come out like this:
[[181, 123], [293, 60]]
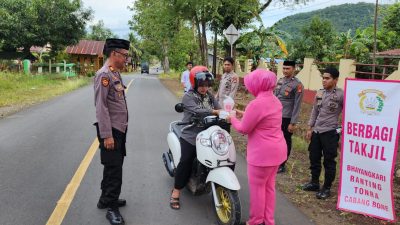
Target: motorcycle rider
[[198, 102]]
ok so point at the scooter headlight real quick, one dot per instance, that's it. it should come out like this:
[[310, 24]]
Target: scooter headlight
[[219, 142], [205, 142]]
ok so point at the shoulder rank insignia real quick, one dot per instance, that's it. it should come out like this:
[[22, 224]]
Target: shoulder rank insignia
[[299, 88], [235, 79], [320, 92], [105, 81]]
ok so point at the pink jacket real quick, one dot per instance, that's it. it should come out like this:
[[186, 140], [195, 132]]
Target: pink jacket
[[262, 121]]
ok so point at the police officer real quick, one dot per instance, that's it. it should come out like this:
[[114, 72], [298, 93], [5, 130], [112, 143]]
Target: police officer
[[228, 86], [322, 132], [229, 82], [289, 90], [112, 124]]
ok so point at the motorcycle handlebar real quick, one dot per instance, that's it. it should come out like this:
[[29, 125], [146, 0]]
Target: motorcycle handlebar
[[183, 123]]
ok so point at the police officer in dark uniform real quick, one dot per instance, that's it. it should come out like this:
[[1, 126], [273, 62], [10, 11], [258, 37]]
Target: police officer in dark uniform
[[289, 90], [112, 124], [322, 132]]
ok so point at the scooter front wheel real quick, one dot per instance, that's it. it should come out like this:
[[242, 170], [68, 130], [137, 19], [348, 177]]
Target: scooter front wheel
[[229, 211]]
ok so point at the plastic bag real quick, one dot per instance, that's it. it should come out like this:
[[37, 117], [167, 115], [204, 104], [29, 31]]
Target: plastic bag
[[228, 104]]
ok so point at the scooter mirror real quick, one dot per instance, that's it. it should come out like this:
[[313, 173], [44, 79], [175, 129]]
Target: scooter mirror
[[179, 107]]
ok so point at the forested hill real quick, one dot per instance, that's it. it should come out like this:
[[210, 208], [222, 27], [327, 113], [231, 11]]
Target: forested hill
[[343, 17]]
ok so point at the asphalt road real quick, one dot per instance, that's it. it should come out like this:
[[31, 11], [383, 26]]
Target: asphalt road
[[42, 147]]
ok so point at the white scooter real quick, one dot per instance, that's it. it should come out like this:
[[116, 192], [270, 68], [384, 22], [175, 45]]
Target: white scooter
[[212, 170]]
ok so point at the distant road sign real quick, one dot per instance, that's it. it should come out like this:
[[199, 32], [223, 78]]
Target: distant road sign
[[231, 34]]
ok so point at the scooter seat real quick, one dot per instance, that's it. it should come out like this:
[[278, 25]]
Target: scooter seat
[[177, 129]]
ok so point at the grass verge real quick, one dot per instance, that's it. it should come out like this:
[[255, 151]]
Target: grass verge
[[20, 89]]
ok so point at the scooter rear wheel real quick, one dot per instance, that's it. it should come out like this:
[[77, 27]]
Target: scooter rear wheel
[[229, 213]]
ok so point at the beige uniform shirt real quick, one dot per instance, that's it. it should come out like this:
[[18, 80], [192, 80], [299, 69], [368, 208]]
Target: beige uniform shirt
[[227, 87], [290, 93], [109, 99], [326, 110]]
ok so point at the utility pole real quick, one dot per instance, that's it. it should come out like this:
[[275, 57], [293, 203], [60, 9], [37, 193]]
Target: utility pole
[[375, 27]]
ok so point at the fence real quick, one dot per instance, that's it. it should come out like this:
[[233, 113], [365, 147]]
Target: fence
[[384, 71]]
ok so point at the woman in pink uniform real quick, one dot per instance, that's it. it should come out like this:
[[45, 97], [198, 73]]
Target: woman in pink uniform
[[266, 148]]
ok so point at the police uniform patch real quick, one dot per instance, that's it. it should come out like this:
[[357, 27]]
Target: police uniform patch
[[105, 81], [119, 87], [234, 79], [299, 88], [288, 90], [319, 94]]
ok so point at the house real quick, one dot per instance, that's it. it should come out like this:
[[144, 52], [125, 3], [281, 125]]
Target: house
[[87, 55]]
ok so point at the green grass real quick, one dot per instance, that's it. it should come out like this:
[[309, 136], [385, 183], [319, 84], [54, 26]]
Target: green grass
[[300, 144], [171, 75], [22, 89]]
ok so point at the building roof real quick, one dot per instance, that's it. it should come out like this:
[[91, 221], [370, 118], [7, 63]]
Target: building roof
[[87, 47], [393, 53], [40, 49]]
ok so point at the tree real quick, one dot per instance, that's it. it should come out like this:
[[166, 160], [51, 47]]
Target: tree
[[391, 20], [183, 48], [159, 22], [263, 42], [134, 49], [40, 22], [218, 15], [99, 32], [391, 24], [199, 13], [316, 41], [156, 22]]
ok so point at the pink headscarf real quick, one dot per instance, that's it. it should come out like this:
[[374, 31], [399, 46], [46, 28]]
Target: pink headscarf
[[260, 80]]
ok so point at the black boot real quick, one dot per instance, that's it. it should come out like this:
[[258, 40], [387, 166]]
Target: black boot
[[324, 193], [311, 186], [281, 169], [114, 217]]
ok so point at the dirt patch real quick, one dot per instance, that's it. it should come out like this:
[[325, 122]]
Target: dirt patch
[[298, 173], [9, 110], [174, 86]]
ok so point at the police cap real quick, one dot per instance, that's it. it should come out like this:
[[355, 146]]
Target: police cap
[[112, 43]]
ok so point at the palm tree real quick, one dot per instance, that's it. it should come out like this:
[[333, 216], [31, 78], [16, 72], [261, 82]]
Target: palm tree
[[263, 42], [134, 50]]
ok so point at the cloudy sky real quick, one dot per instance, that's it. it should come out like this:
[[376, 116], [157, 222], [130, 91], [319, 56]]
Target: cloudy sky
[[115, 13]]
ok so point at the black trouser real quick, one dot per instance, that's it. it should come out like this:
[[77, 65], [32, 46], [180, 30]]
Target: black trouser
[[112, 172], [188, 154], [226, 126], [287, 135], [323, 144]]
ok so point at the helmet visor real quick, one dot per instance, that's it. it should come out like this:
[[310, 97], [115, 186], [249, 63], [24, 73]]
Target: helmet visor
[[204, 79]]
